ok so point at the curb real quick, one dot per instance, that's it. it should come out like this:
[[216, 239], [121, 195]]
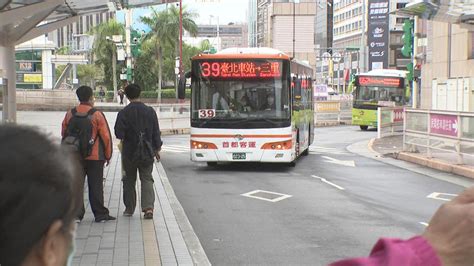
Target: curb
[[431, 163], [332, 123], [362, 148], [436, 164], [190, 238]]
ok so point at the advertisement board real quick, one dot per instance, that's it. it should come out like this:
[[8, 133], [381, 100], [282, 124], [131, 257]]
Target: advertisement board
[[378, 34]]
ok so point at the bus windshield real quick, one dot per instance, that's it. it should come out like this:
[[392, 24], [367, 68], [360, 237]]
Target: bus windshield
[[261, 95], [379, 95]]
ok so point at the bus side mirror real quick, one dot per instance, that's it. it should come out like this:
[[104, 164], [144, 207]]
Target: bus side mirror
[[182, 86]]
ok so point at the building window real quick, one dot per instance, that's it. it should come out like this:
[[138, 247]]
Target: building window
[[401, 5]]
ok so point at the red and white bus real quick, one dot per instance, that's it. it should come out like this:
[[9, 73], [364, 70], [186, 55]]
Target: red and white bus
[[250, 105]]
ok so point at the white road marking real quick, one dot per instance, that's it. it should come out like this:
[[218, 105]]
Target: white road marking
[[439, 196], [323, 150], [175, 148], [423, 223], [328, 182], [340, 162], [282, 196]]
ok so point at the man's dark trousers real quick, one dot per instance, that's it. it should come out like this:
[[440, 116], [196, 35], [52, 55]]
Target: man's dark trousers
[[95, 180], [129, 180]]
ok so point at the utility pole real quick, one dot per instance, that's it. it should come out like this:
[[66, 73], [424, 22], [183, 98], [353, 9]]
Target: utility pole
[[180, 71], [128, 50], [363, 39], [415, 50]]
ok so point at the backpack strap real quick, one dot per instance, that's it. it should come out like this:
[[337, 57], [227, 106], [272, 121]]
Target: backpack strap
[[91, 111], [73, 111]]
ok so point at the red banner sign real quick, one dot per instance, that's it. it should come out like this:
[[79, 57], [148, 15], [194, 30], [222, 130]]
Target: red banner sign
[[242, 69]]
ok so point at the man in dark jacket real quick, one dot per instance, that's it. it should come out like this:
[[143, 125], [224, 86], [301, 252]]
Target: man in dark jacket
[[137, 127], [101, 153]]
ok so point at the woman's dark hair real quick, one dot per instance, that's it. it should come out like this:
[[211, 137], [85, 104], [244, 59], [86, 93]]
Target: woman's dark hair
[[132, 91], [84, 93], [39, 184]]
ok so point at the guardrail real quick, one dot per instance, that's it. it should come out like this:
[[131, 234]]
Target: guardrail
[[440, 134], [46, 97], [389, 121], [332, 112]]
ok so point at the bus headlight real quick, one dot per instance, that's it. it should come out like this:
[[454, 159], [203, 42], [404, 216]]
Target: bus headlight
[[280, 145], [203, 145]]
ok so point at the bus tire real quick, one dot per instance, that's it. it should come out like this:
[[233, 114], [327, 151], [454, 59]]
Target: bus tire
[[306, 152], [364, 128], [211, 164], [292, 164]]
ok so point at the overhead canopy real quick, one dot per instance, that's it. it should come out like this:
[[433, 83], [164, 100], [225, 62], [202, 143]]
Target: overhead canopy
[[451, 11], [22, 20]]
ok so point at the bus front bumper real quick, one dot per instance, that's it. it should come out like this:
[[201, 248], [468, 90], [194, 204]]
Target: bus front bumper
[[273, 156]]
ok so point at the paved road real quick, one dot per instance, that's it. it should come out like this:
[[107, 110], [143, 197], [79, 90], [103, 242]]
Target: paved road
[[320, 222]]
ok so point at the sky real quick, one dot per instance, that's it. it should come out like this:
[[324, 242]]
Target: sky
[[227, 10]]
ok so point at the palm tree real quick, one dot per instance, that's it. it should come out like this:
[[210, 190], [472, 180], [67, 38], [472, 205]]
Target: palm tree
[[104, 49], [164, 27]]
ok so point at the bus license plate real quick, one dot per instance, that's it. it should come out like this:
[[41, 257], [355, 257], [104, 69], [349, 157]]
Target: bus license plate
[[238, 156]]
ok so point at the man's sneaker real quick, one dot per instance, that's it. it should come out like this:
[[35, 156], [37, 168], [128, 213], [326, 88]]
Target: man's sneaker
[[148, 214], [104, 219]]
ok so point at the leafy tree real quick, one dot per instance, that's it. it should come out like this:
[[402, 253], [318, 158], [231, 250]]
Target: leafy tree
[[105, 50], [165, 34]]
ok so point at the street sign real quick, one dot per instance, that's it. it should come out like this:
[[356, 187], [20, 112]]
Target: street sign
[[444, 124], [336, 57], [326, 56]]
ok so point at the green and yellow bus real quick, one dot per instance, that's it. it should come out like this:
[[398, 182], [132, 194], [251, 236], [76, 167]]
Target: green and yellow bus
[[377, 88]]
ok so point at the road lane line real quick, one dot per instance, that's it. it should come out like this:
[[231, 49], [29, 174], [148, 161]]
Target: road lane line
[[328, 182], [423, 223]]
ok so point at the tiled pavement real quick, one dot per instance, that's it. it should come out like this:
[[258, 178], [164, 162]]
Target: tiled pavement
[[133, 240]]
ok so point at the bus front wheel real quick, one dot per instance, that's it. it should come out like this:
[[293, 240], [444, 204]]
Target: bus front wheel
[[364, 128]]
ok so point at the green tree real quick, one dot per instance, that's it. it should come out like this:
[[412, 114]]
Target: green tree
[[165, 33], [105, 51]]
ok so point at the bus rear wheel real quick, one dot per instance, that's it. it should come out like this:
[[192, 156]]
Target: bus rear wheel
[[211, 164], [364, 128], [292, 164], [305, 152]]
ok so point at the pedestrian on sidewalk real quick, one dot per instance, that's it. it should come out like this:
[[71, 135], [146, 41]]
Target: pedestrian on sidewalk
[[39, 199], [86, 129], [138, 129], [121, 95]]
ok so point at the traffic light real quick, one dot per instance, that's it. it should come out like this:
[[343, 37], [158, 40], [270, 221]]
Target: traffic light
[[407, 38], [136, 42]]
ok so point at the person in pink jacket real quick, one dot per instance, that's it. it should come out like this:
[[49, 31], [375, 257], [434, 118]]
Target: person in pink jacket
[[447, 241]]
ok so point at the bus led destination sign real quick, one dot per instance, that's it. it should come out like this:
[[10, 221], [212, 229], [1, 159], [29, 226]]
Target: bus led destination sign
[[240, 69], [379, 81]]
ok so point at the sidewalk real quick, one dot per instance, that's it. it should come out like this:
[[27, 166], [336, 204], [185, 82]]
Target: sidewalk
[[393, 146], [168, 239]]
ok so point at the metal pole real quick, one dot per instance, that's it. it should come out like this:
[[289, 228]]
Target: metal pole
[[128, 50], [180, 37], [338, 77], [415, 46], [180, 72], [7, 63], [114, 73], [294, 22], [363, 39]]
